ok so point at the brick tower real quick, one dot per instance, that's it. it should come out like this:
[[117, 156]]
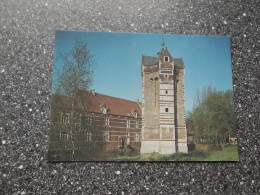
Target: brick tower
[[163, 110]]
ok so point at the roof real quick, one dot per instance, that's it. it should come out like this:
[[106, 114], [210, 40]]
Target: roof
[[178, 62], [149, 60], [116, 106]]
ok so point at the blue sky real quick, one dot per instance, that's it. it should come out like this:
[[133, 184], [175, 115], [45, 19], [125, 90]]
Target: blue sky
[[118, 55]]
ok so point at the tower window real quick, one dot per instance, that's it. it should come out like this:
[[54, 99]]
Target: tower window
[[166, 58], [166, 92], [107, 122], [166, 109], [107, 136], [166, 75], [128, 123]]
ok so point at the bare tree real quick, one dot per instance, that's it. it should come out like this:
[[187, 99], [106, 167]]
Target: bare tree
[[78, 66]]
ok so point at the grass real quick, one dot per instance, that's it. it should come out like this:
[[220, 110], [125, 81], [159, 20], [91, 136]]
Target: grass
[[202, 153]]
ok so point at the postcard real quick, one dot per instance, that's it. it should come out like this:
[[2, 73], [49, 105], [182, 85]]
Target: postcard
[[141, 97]]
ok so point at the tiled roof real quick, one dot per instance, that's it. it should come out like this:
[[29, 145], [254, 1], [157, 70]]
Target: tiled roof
[[178, 62], [149, 60], [116, 106]]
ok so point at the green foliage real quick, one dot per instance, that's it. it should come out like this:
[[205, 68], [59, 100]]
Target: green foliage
[[213, 118]]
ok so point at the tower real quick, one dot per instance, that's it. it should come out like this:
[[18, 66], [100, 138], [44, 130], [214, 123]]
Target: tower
[[163, 108]]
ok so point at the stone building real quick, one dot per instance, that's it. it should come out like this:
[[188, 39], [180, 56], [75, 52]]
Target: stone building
[[163, 108]]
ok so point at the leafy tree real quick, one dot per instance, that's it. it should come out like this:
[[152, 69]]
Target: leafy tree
[[77, 72], [213, 117]]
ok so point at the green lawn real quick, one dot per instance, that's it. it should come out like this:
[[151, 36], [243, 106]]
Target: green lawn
[[229, 153]]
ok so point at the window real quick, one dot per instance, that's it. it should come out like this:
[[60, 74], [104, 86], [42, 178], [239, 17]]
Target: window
[[166, 58], [107, 136], [134, 112], [121, 142], [88, 136], [136, 124], [166, 76], [107, 122], [128, 123], [166, 92], [64, 136], [78, 116], [77, 127], [166, 109], [104, 110], [89, 120], [65, 118], [137, 137]]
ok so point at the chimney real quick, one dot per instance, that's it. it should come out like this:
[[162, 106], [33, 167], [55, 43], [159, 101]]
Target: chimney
[[93, 91]]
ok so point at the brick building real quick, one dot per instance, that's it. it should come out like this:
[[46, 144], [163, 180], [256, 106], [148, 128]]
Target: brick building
[[163, 119], [89, 117], [122, 117]]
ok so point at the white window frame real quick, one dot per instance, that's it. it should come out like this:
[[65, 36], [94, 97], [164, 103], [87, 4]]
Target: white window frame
[[79, 125], [128, 123], [166, 57], [137, 137], [107, 136], [136, 124], [65, 118], [104, 110], [89, 134], [107, 122], [90, 120], [64, 136]]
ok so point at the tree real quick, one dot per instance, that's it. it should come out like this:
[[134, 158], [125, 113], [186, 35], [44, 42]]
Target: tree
[[77, 72], [86, 134], [213, 117]]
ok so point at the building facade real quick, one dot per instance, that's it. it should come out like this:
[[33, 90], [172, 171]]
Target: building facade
[[89, 122], [122, 117], [163, 104]]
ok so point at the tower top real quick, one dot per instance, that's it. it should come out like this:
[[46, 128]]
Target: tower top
[[162, 43]]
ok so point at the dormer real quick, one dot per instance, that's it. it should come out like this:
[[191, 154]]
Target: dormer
[[165, 56], [166, 59], [104, 108], [134, 113]]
